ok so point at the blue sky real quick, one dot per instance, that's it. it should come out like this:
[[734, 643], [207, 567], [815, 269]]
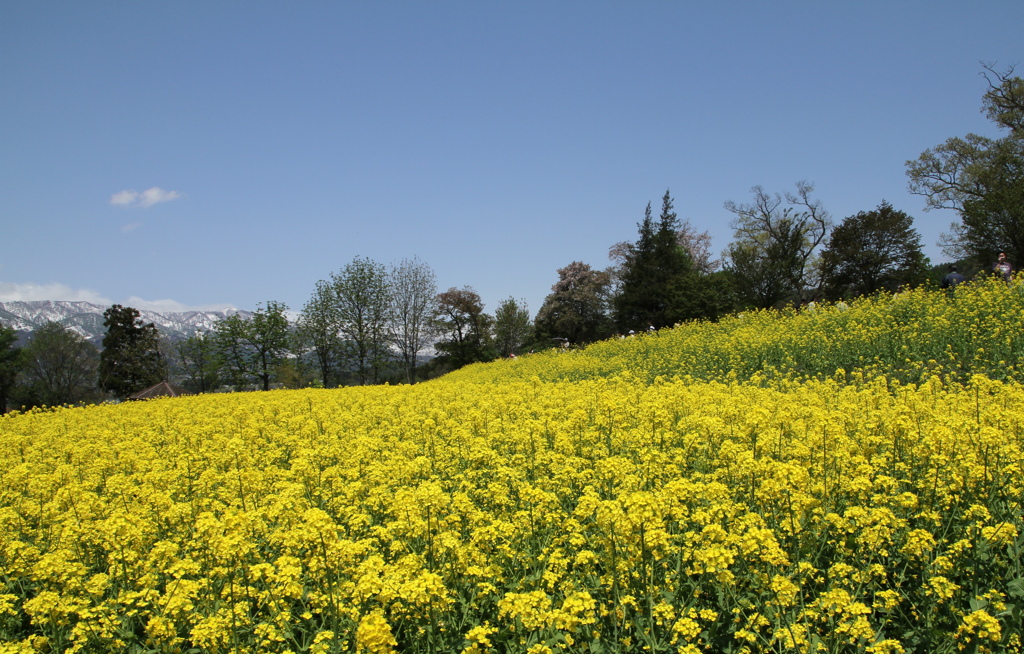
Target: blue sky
[[177, 155]]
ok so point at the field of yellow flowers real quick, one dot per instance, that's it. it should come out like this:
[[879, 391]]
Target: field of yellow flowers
[[907, 337], [546, 504]]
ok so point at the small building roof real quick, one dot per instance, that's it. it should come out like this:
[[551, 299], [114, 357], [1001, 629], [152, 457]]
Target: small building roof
[[163, 389]]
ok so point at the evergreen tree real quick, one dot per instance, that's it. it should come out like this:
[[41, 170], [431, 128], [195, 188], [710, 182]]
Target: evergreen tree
[[10, 357], [131, 359], [658, 281]]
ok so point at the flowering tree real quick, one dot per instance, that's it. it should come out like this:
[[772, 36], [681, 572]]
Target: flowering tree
[[577, 307]]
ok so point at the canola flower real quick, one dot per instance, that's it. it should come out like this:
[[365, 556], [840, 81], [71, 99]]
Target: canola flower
[[907, 338], [610, 513]]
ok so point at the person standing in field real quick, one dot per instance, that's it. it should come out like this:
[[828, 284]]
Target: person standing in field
[[952, 278], [1003, 267]]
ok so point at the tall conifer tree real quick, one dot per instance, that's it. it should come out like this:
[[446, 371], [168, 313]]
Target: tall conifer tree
[[658, 275], [131, 359]]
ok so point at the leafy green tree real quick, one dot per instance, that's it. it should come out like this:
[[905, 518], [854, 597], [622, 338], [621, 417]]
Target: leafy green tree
[[657, 282], [295, 372], [131, 360], [318, 328], [234, 354], [10, 359], [254, 346], [980, 178], [412, 312], [871, 251], [578, 306], [512, 327], [199, 362], [363, 295], [464, 328], [776, 239], [58, 367], [761, 278], [720, 294]]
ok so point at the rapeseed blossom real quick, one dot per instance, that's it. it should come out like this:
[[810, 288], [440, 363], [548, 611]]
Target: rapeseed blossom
[[563, 511]]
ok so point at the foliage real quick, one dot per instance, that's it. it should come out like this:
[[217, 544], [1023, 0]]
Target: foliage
[[760, 280], [57, 367], [658, 275], [981, 178], [254, 347], [464, 328], [199, 362], [872, 251], [577, 308], [698, 246], [413, 311], [362, 294], [319, 328], [512, 327], [131, 360], [776, 239], [10, 360]]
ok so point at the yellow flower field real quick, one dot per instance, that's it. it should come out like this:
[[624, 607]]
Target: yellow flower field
[[606, 514]]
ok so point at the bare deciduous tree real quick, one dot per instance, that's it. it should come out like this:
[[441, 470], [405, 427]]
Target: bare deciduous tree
[[413, 311], [780, 233]]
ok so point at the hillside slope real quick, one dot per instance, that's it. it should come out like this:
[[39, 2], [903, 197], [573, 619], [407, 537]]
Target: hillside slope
[[979, 330]]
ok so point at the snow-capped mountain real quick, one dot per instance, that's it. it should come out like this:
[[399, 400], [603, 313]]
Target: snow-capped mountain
[[86, 318]]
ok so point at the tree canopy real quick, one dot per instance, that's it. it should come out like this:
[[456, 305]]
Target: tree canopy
[[655, 288], [776, 239], [981, 178], [464, 328], [512, 327], [362, 291], [131, 360], [577, 308], [871, 251], [413, 309], [254, 346], [59, 367], [10, 358]]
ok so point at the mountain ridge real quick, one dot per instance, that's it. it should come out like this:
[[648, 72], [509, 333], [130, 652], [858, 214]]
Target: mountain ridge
[[86, 318]]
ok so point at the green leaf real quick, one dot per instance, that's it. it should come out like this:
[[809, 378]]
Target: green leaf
[[1016, 587]]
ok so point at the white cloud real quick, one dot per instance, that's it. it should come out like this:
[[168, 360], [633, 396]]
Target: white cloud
[[124, 198], [142, 200], [10, 292]]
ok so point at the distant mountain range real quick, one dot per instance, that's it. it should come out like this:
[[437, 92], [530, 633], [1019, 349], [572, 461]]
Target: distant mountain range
[[86, 318]]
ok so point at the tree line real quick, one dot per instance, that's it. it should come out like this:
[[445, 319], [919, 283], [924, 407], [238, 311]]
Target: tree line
[[369, 323]]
